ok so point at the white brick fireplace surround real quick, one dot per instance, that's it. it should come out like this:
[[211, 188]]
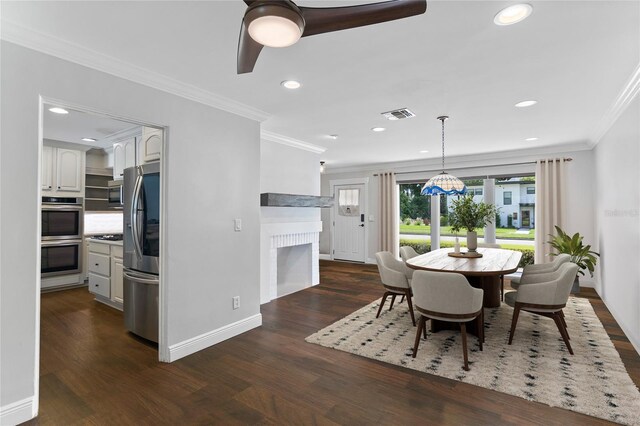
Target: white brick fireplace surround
[[303, 267]]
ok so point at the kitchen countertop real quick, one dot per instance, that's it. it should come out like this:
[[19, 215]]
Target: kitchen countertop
[[113, 243]]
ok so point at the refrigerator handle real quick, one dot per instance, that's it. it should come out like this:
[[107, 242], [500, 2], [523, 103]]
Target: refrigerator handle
[[140, 280], [134, 216]]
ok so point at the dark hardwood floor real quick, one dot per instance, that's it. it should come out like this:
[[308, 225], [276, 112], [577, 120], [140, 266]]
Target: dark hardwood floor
[[93, 372]]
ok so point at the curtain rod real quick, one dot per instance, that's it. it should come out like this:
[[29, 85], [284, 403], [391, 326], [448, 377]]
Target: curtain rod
[[476, 167]]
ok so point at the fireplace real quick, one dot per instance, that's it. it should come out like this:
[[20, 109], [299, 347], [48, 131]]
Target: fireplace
[[289, 258]]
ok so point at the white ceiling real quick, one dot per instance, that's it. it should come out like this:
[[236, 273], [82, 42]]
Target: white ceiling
[[76, 125], [574, 57]]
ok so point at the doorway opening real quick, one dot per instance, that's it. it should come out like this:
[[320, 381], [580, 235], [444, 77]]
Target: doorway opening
[[95, 222]]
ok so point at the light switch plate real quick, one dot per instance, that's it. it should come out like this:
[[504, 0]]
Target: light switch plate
[[371, 218], [237, 225]]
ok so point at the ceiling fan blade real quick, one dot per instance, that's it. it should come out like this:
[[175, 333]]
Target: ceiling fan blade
[[328, 19], [248, 51]]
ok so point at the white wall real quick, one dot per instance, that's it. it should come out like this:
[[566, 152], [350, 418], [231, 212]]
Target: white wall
[[617, 220], [212, 175], [579, 176]]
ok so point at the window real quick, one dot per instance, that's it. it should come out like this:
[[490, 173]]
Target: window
[[506, 198], [349, 202], [515, 216], [477, 191], [531, 190]]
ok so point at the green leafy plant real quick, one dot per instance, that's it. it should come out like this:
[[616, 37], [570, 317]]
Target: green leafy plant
[[580, 254], [465, 214]]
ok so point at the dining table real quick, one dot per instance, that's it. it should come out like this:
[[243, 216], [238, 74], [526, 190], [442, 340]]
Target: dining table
[[481, 272]]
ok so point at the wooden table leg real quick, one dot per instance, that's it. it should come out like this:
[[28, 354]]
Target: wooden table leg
[[491, 288]]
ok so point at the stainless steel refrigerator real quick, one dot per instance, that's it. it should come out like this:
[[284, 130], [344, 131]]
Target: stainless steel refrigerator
[[141, 193]]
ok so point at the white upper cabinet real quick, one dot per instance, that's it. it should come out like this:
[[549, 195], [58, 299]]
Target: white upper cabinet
[[150, 145], [69, 170], [124, 155], [62, 170]]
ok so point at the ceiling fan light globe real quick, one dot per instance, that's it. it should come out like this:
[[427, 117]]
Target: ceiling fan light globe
[[274, 25]]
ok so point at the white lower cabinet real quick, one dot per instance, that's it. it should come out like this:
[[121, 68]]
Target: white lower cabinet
[[105, 270]]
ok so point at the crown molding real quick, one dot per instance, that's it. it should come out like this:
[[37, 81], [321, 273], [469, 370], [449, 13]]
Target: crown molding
[[620, 104], [465, 161], [295, 143], [68, 51]]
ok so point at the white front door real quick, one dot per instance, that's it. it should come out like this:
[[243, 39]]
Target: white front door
[[349, 222]]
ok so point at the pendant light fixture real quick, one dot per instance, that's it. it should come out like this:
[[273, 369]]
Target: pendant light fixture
[[444, 183]]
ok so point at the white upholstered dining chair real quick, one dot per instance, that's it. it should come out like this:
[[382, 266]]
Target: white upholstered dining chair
[[394, 279], [546, 298], [530, 272], [447, 296]]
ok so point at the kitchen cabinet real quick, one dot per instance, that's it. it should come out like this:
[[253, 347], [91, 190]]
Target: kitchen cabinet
[[106, 269], [62, 170], [149, 145], [124, 156]]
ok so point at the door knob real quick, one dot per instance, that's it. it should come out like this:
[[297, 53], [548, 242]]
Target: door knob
[[362, 225]]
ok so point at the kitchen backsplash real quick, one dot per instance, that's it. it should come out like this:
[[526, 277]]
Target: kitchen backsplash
[[102, 223]]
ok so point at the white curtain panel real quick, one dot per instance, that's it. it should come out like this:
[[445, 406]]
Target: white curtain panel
[[550, 207], [388, 213]]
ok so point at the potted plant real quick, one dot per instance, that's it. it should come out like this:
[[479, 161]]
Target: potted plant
[[580, 254], [465, 214]]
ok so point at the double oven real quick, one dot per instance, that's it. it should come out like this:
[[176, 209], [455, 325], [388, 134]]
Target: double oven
[[62, 233]]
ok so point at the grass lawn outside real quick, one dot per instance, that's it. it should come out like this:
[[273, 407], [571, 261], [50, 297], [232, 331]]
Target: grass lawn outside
[[463, 243], [502, 233]]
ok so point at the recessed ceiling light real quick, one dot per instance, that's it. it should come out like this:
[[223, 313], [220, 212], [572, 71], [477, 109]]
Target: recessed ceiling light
[[378, 129], [524, 104], [333, 136], [291, 84], [58, 110], [531, 139], [89, 139], [513, 14], [424, 151]]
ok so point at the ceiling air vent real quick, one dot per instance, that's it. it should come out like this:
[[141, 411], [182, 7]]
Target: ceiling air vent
[[398, 114]]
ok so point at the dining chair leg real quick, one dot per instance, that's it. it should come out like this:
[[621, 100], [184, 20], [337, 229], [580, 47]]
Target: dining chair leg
[[421, 326], [514, 321], [482, 323], [393, 299], [424, 328], [413, 318], [463, 330], [384, 299], [402, 299], [563, 332], [502, 288], [479, 327], [564, 322]]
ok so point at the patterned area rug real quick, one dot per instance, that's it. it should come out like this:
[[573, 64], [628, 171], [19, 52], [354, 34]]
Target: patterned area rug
[[537, 367]]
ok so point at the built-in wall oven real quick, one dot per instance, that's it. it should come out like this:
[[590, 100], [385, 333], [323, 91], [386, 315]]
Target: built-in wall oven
[[62, 231]]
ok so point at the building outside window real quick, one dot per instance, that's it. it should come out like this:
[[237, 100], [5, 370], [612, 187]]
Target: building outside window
[[531, 190]]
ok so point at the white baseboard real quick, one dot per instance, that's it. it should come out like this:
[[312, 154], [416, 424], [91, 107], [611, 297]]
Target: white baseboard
[[17, 412], [195, 344], [370, 261], [324, 256]]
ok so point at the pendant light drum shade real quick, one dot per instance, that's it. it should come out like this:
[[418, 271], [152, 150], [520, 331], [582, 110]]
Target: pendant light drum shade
[[444, 183]]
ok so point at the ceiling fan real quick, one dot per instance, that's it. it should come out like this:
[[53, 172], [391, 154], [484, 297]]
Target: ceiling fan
[[281, 23]]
